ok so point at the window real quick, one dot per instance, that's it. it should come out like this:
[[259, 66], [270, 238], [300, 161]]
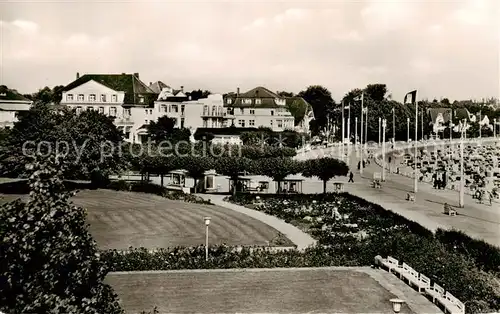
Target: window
[[90, 108], [103, 98], [112, 111], [241, 123], [252, 111], [279, 123], [150, 111], [251, 123], [205, 110], [183, 107], [141, 99], [205, 123], [242, 110], [272, 112], [146, 121], [221, 111], [80, 97], [101, 110], [229, 101], [78, 110], [214, 110], [126, 112], [182, 123], [114, 98], [147, 111], [258, 101], [271, 123], [69, 97], [174, 108], [92, 97], [247, 101]]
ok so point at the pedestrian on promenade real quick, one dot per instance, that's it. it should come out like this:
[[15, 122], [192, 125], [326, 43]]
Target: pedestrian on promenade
[[351, 176]]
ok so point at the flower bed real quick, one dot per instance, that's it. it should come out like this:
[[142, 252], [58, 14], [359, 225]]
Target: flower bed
[[449, 258]]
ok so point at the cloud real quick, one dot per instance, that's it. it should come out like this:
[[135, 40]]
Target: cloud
[[429, 45]]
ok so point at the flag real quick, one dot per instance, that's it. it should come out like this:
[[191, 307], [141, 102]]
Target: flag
[[347, 107], [472, 117], [413, 95]]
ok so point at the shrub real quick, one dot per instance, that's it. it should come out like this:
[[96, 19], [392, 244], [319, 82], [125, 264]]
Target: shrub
[[48, 260]]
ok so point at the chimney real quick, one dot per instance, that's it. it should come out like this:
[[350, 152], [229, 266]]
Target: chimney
[[77, 75], [136, 75], [182, 89], [150, 83], [237, 91]]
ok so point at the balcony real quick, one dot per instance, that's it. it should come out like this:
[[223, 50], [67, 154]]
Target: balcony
[[124, 120], [214, 115]]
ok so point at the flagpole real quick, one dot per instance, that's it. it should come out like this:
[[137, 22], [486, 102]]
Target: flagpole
[[356, 133], [366, 129], [343, 130], [479, 123], [349, 132], [415, 182], [451, 126], [361, 137], [379, 126], [422, 123], [393, 127], [462, 179]]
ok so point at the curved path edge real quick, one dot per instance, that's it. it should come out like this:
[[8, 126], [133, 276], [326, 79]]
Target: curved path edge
[[301, 239]]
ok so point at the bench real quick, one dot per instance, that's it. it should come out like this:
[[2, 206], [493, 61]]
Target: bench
[[408, 273], [422, 283], [410, 197], [435, 292], [402, 270], [449, 211], [390, 263], [452, 305]]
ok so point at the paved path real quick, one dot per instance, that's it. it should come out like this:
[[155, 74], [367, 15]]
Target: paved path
[[477, 220], [297, 236]]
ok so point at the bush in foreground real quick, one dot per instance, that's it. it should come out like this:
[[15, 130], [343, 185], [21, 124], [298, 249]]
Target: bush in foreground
[[49, 262]]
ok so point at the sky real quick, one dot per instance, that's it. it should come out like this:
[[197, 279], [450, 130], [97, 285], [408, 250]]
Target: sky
[[441, 48]]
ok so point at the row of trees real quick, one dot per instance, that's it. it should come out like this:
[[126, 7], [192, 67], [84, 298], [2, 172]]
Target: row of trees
[[277, 168], [376, 96]]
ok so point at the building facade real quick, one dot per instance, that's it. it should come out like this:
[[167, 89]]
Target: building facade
[[11, 104], [122, 96]]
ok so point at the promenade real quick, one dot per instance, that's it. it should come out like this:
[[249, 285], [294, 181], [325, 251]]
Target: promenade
[[477, 220]]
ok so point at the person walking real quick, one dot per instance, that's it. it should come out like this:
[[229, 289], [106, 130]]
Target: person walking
[[351, 177]]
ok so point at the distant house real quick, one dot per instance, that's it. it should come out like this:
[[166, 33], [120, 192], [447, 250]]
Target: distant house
[[259, 107], [11, 104], [122, 96]]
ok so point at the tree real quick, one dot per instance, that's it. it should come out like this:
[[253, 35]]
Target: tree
[[49, 262], [322, 104], [376, 92], [90, 142], [325, 169], [277, 168], [232, 167], [164, 130], [284, 94], [196, 167], [47, 95], [198, 94]]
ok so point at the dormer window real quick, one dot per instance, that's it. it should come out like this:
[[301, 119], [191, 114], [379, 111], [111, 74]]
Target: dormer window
[[92, 97], [229, 101], [247, 101], [141, 99], [69, 97], [258, 101]]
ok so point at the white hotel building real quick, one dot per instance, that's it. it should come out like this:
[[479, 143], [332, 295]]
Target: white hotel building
[[134, 105], [11, 104]]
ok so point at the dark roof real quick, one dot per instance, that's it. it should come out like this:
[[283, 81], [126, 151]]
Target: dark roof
[[11, 94], [225, 131], [128, 83], [267, 97], [158, 86]]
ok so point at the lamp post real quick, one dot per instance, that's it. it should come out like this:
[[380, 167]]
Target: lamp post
[[396, 305], [384, 124], [379, 132], [207, 222], [356, 133], [462, 179], [407, 130]]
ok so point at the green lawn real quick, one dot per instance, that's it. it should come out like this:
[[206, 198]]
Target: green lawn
[[250, 291], [119, 220]]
